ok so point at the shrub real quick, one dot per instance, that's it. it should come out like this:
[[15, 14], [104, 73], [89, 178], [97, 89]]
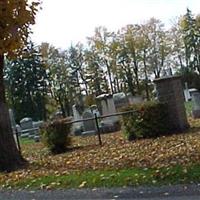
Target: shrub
[[151, 119], [55, 135]]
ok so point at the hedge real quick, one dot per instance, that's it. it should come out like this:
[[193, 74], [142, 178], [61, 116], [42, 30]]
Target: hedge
[[55, 135], [150, 119]]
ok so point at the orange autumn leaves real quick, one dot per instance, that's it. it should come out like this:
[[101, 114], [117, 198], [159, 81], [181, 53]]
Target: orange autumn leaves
[[16, 18], [116, 153]]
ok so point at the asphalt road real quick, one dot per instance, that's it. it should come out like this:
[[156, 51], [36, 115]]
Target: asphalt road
[[178, 192]]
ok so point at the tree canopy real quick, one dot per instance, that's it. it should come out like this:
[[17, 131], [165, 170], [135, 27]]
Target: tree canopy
[[16, 18]]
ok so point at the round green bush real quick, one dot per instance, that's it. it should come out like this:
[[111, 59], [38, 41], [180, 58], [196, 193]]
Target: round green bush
[[55, 135], [150, 119]]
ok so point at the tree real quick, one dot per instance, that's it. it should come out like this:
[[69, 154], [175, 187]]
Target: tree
[[75, 59], [159, 49], [101, 44], [58, 75], [16, 17], [94, 74], [133, 50], [63, 71], [26, 80], [177, 46], [191, 38], [144, 44], [125, 71]]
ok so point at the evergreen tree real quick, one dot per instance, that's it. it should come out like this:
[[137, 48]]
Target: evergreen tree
[[26, 80]]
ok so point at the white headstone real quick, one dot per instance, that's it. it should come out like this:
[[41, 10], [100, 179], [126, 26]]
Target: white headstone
[[90, 124], [120, 100], [108, 107], [76, 116], [13, 125], [196, 105], [26, 123]]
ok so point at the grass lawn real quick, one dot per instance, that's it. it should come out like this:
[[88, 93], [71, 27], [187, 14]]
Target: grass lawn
[[164, 160], [26, 141], [188, 107]]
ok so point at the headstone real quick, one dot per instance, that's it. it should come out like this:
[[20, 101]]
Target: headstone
[[37, 124], [77, 127], [12, 119], [187, 92], [135, 99], [108, 124], [192, 91], [169, 90], [120, 100], [94, 110], [26, 124], [13, 125], [108, 107], [89, 126], [196, 105]]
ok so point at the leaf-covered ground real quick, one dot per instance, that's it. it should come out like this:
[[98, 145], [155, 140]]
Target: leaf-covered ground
[[116, 153]]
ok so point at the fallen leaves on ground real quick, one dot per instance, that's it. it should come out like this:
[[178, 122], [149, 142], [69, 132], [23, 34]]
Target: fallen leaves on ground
[[116, 153]]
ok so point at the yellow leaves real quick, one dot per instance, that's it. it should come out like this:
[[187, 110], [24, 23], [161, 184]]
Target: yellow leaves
[[185, 171], [116, 153], [83, 184], [15, 19]]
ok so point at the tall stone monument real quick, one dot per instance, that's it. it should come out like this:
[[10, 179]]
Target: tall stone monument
[[169, 90]]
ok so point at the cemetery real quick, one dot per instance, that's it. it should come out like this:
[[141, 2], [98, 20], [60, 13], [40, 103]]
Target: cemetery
[[118, 150], [121, 109]]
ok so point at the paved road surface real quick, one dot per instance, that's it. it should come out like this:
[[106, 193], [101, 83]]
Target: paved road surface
[[179, 192]]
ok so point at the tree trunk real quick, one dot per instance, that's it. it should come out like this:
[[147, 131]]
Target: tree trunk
[[146, 77], [180, 60], [117, 84], [10, 157], [109, 76], [61, 106]]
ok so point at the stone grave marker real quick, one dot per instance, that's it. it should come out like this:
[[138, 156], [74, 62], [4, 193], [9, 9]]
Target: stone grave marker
[[120, 100], [77, 127], [90, 125], [108, 124], [27, 123], [13, 125], [169, 90], [108, 107], [196, 105]]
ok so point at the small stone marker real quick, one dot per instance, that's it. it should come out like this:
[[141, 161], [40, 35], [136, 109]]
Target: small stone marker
[[196, 105], [26, 124]]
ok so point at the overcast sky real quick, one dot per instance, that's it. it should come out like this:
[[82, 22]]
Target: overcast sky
[[63, 22]]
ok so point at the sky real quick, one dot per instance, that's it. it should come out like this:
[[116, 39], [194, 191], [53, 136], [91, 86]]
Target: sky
[[65, 22]]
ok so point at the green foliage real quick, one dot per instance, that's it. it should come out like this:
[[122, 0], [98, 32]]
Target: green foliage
[[65, 72], [191, 77], [188, 108], [94, 73], [191, 37], [26, 83], [55, 135], [150, 119]]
